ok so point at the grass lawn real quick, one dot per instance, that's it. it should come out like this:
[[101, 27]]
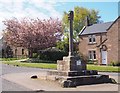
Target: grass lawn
[[54, 66], [10, 59], [104, 68], [34, 65]]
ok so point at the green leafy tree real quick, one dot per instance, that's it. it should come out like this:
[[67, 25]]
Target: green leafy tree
[[64, 43], [80, 15]]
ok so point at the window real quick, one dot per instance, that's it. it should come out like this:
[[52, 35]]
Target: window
[[92, 39], [15, 52], [92, 55], [22, 51]]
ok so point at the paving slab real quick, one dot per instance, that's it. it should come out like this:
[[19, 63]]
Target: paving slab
[[25, 80]]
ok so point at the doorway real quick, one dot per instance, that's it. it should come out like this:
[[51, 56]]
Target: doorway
[[104, 57]]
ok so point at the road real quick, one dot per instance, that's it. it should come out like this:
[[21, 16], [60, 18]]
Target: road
[[9, 69], [10, 86]]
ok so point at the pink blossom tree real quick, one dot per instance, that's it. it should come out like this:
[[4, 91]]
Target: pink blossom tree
[[32, 33]]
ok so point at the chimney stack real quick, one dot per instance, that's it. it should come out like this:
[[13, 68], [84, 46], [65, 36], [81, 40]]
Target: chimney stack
[[87, 21]]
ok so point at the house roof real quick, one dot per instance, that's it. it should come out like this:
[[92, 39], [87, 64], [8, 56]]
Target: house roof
[[96, 28]]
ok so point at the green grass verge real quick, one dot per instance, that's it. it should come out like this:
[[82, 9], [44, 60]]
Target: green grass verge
[[103, 68], [54, 66], [10, 59], [34, 65]]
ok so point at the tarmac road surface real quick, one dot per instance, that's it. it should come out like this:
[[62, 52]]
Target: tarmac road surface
[[11, 86], [18, 79]]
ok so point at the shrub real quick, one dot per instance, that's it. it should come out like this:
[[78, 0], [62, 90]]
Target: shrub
[[52, 54], [114, 63], [35, 55], [95, 62], [90, 62]]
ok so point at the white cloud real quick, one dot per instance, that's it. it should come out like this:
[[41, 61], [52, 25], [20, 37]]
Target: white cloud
[[42, 9], [48, 6], [15, 8]]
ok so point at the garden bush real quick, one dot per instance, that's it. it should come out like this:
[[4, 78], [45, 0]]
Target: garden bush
[[52, 54], [114, 63], [35, 55]]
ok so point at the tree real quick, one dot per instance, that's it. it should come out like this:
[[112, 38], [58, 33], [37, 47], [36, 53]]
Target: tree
[[64, 43], [32, 33], [80, 15]]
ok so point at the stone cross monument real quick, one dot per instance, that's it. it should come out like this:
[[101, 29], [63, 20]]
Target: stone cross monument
[[71, 62], [70, 18], [71, 71]]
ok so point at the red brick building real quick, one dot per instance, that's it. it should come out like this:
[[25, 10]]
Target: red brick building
[[101, 42], [11, 51]]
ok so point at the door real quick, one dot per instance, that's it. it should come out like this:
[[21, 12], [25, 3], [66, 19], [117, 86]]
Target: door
[[104, 57]]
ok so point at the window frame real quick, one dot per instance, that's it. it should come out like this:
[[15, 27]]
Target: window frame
[[92, 39], [92, 54]]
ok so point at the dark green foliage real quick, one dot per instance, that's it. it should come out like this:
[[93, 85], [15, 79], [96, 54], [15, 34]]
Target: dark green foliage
[[52, 54], [7, 52], [80, 13], [63, 45], [35, 55], [90, 62], [113, 63]]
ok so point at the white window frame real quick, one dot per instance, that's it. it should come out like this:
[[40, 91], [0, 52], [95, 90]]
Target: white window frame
[[92, 55], [93, 39]]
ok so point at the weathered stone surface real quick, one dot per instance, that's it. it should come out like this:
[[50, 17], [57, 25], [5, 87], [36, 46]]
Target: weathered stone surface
[[67, 83], [73, 73], [73, 81], [71, 63]]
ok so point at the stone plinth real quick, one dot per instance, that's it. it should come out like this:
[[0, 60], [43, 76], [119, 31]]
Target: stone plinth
[[71, 63], [71, 72], [73, 81], [83, 80]]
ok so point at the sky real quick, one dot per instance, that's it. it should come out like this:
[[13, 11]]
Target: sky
[[44, 9]]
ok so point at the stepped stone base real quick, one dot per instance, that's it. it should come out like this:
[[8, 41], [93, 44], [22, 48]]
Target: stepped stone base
[[71, 72], [74, 78]]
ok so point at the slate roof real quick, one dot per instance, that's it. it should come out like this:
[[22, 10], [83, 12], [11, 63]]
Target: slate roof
[[96, 28]]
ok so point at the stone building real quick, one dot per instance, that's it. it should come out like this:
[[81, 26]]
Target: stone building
[[101, 42], [11, 51]]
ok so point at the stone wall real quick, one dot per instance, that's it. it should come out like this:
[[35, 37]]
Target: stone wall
[[18, 53], [113, 43]]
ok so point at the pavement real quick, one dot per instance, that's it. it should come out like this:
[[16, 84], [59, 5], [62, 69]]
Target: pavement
[[24, 79]]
